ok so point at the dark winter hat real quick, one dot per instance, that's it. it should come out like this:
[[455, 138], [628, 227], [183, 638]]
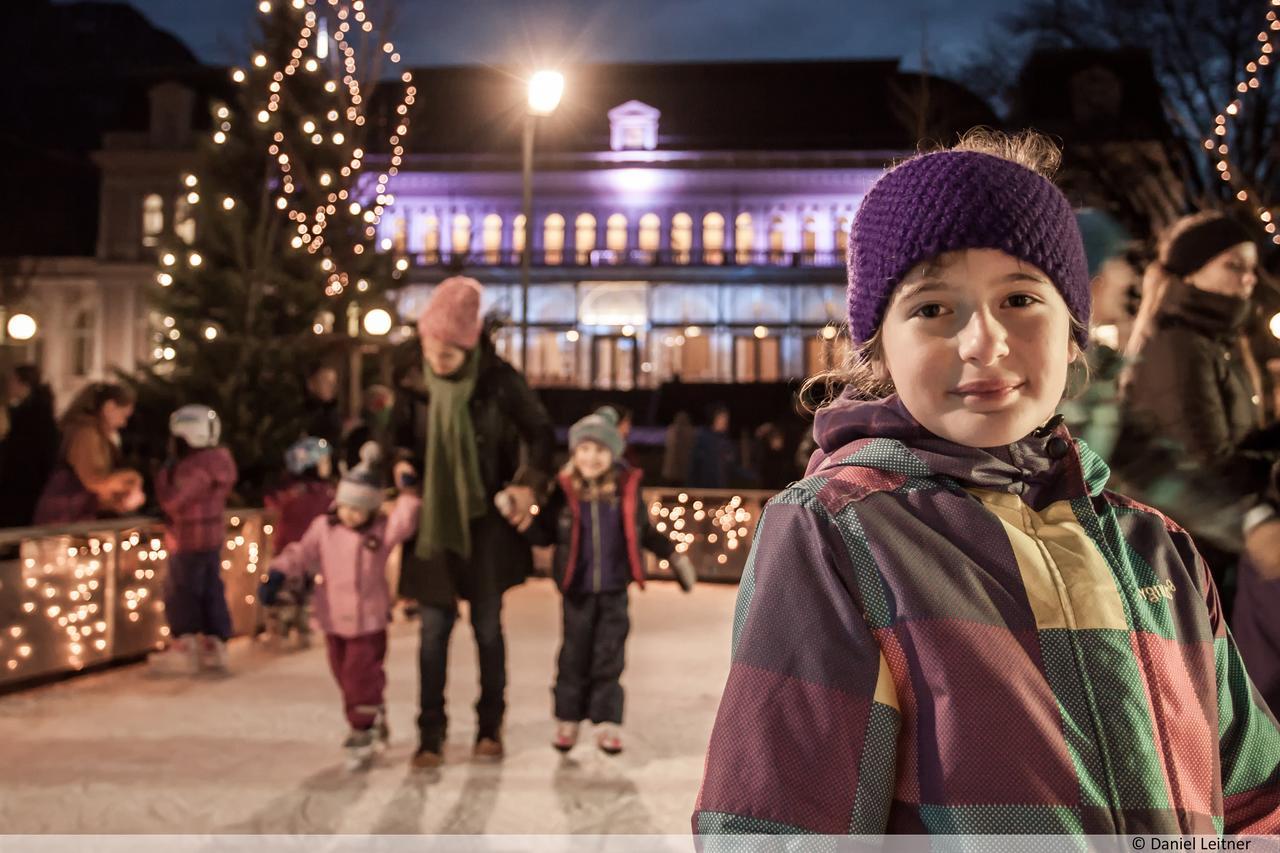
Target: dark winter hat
[[1104, 237], [361, 487], [600, 426], [953, 200], [1194, 246]]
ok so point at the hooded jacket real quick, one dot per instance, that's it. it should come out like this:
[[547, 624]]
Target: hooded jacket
[[933, 638], [352, 597]]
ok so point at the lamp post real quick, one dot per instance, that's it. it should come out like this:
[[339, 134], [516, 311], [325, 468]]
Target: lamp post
[[545, 89]]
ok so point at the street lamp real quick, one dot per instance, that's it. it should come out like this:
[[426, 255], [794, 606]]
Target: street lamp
[[22, 327], [545, 89]]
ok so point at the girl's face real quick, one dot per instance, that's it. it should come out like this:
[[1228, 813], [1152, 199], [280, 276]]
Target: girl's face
[[592, 460], [352, 516], [324, 467], [115, 416], [444, 359], [977, 345], [1231, 273]]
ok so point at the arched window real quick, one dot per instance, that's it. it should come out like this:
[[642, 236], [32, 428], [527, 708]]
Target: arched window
[[777, 239], [842, 238], [152, 219], [184, 220], [492, 238], [517, 234], [584, 237], [650, 233], [615, 235], [461, 234], [681, 237], [553, 239], [400, 236], [713, 238], [431, 239], [809, 239], [744, 237]]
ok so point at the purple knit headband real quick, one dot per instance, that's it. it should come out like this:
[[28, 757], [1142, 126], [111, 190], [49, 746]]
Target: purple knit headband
[[953, 200]]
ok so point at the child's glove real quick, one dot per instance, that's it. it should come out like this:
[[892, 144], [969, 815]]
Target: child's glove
[[269, 590], [686, 575]]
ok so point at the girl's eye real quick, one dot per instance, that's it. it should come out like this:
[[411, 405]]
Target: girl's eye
[[1022, 300], [929, 311]]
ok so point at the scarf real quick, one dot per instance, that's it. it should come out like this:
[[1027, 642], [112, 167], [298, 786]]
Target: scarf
[[452, 483]]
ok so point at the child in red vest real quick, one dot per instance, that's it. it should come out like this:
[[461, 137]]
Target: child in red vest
[[598, 523]]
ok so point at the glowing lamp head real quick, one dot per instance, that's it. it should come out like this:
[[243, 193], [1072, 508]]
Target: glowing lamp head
[[545, 90]]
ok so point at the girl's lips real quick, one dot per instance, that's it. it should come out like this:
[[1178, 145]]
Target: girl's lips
[[977, 393]]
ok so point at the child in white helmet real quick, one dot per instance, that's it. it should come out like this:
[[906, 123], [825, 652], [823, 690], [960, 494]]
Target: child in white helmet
[[304, 495], [192, 488]]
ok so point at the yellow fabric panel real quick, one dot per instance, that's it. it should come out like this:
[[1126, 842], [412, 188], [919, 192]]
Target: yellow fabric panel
[[886, 693], [1068, 582]]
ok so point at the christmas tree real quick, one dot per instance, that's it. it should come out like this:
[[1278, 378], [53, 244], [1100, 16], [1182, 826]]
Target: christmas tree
[[278, 249]]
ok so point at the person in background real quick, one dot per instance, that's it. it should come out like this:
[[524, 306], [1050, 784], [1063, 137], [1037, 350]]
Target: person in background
[[30, 449], [775, 467], [677, 455], [715, 463], [347, 550], [305, 495], [324, 417], [88, 481], [485, 444], [1093, 413], [375, 424], [599, 523], [1192, 442], [192, 489]]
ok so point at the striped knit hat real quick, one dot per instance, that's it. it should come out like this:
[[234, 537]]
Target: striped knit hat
[[953, 200]]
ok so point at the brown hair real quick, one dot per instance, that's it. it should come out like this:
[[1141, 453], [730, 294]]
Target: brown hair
[[89, 402], [860, 375]]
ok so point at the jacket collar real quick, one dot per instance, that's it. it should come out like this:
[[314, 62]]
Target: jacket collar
[[882, 434]]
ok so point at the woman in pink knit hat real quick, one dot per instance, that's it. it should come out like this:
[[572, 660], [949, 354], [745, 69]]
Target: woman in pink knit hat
[[482, 440]]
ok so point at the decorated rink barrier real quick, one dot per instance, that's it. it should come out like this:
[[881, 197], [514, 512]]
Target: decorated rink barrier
[[79, 595]]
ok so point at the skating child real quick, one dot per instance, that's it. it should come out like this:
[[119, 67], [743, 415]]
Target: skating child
[[598, 523], [348, 549], [307, 494], [951, 626], [192, 488]]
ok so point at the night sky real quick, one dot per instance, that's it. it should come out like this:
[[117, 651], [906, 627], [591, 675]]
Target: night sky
[[514, 32]]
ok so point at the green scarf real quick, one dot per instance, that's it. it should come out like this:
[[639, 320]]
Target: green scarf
[[452, 487]]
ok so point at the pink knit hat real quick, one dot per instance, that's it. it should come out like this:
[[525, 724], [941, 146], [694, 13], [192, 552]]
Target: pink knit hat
[[452, 314]]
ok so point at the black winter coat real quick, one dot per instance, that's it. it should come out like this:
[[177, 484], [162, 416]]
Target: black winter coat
[[27, 456], [1190, 443], [514, 442]]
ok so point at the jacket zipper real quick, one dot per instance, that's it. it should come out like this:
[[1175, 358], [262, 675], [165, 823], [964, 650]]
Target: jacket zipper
[[595, 541]]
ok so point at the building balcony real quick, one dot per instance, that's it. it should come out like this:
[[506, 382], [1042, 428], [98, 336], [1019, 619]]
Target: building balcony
[[632, 258]]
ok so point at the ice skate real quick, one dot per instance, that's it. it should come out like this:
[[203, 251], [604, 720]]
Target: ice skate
[[360, 748], [181, 658], [566, 735], [213, 655]]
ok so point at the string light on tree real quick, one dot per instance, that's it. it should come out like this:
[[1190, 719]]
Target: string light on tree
[[1220, 147]]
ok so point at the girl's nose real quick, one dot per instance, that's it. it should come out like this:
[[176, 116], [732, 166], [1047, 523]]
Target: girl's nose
[[983, 339]]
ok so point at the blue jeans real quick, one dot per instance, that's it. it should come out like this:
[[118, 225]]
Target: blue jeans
[[195, 601], [433, 660]]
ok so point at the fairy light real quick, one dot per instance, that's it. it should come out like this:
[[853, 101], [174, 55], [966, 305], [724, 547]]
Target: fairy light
[[1221, 148], [85, 599]]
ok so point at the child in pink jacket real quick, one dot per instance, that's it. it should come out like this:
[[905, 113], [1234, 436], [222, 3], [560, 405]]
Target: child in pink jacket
[[348, 549]]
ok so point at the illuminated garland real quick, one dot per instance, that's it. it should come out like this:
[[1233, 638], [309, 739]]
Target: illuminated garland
[[349, 104], [1220, 146]]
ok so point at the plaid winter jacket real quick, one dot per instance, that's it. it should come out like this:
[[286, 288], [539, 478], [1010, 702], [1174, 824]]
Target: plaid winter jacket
[[931, 638]]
